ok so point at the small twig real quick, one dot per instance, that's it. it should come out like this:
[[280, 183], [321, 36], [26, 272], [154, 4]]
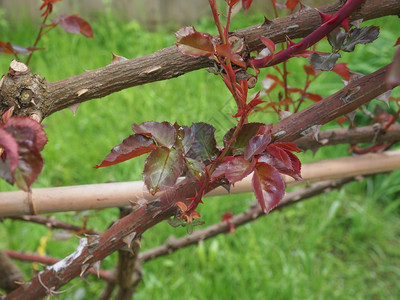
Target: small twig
[[54, 223], [47, 260], [251, 214]]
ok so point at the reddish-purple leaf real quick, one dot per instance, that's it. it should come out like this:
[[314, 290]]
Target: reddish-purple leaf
[[342, 70], [268, 186], [195, 166], [245, 134], [291, 4], [204, 145], [238, 168], [17, 124], [10, 148], [288, 146], [257, 144], [133, 146], [246, 4], [30, 164], [225, 50], [163, 133], [194, 43], [75, 24], [397, 42], [231, 2], [162, 168], [293, 170], [8, 114], [393, 76]]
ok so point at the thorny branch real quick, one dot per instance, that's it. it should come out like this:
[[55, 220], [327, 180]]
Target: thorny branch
[[169, 62], [253, 213]]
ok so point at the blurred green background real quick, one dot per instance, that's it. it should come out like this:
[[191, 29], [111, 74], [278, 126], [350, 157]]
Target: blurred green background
[[340, 245]]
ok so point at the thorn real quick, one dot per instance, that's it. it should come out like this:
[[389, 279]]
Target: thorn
[[96, 267], [129, 238], [89, 257], [84, 269]]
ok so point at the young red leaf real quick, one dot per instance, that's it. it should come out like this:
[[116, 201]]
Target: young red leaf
[[245, 134], [30, 164], [162, 168], [163, 133], [194, 43], [309, 70], [238, 168], [231, 2], [225, 50], [9, 150], [227, 217], [342, 70], [257, 144], [246, 4], [16, 126], [133, 146], [287, 146], [8, 114], [204, 145], [268, 186], [294, 169], [266, 54], [75, 24], [397, 42], [291, 4]]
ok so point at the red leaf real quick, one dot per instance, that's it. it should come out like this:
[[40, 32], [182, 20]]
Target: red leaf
[[75, 24], [8, 114], [30, 162], [309, 70], [313, 97], [257, 144], [342, 70], [227, 217], [162, 168], [246, 4], [288, 146], [163, 133], [291, 4], [194, 43], [225, 50], [245, 134], [268, 52], [10, 148], [133, 146], [397, 42], [268, 186], [238, 168], [17, 124], [231, 2]]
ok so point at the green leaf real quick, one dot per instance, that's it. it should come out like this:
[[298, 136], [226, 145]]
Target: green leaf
[[162, 168], [204, 145], [195, 166], [324, 62], [362, 35]]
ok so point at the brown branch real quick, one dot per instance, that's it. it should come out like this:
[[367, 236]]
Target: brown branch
[[129, 270], [54, 223], [10, 274], [253, 213], [167, 63], [47, 260], [366, 134], [342, 102]]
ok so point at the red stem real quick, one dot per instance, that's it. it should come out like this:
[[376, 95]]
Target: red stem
[[315, 36]]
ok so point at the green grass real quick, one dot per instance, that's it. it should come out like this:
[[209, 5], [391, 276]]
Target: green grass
[[341, 245]]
